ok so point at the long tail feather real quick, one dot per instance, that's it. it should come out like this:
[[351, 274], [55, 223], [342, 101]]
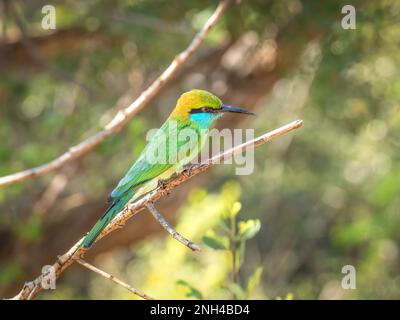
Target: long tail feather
[[105, 219], [99, 227]]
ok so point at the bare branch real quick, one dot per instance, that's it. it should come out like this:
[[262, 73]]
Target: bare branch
[[124, 115], [175, 234], [32, 288], [114, 279]]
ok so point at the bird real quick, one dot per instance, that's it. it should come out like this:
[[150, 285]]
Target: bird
[[195, 112]]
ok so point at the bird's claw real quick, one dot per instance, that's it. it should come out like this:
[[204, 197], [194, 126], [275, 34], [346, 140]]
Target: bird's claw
[[189, 169], [161, 183]]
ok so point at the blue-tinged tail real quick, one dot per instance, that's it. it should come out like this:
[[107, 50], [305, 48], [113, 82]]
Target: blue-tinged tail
[[105, 219]]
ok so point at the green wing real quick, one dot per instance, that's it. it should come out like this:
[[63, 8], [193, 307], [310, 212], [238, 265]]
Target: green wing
[[144, 170]]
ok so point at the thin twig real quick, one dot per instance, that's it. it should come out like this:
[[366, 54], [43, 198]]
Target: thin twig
[[124, 115], [114, 279], [175, 234], [32, 288]]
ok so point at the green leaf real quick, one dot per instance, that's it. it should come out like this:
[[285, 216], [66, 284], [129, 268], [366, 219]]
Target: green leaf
[[233, 211], [192, 291], [254, 281], [248, 229], [236, 208], [214, 242]]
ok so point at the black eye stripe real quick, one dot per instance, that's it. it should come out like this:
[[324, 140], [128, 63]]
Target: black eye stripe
[[202, 110]]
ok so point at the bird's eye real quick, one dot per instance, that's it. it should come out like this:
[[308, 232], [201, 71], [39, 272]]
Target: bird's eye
[[205, 109]]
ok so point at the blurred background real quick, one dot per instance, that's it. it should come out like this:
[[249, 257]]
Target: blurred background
[[326, 195]]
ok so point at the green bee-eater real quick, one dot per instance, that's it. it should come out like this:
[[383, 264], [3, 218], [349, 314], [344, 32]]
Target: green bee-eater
[[195, 112]]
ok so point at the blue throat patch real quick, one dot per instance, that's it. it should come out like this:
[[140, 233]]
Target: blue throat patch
[[204, 120]]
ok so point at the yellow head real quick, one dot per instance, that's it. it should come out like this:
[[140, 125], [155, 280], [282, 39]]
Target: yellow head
[[197, 102]]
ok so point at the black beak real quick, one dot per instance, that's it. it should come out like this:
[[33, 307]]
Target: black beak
[[235, 110]]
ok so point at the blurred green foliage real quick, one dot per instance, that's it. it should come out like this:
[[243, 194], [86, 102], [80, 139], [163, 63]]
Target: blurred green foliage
[[231, 235]]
